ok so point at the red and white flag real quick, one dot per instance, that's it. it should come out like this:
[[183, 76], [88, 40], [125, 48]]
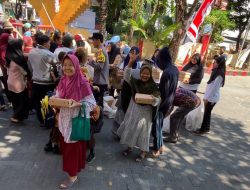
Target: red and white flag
[[203, 11]]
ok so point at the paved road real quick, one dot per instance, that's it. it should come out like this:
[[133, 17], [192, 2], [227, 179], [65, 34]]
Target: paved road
[[218, 161]]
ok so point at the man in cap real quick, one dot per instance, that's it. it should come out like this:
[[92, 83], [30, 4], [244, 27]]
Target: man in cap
[[79, 40], [101, 67]]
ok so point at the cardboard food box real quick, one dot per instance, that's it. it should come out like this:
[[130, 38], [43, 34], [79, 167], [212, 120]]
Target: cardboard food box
[[144, 99], [184, 76], [156, 73], [59, 102]]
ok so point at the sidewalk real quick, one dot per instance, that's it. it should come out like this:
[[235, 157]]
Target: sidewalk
[[229, 72], [218, 161]]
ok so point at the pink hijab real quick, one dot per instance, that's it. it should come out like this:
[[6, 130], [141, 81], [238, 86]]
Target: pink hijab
[[3, 46], [75, 87]]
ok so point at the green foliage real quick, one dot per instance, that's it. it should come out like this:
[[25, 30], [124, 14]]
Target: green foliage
[[240, 15], [220, 21], [145, 18]]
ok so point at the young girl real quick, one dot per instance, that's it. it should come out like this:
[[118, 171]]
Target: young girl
[[136, 127], [194, 67], [212, 94], [73, 85]]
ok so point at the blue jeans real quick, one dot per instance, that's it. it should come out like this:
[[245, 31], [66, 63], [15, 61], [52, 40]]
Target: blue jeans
[[157, 131]]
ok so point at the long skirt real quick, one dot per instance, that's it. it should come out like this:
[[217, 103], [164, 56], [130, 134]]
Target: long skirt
[[74, 156], [19, 103], [136, 127]]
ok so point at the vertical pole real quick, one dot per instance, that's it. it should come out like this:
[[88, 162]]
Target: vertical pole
[[48, 15]]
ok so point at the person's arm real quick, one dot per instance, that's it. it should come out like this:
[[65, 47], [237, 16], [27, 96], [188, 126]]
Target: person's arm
[[117, 61], [99, 63], [156, 102], [30, 67], [127, 74]]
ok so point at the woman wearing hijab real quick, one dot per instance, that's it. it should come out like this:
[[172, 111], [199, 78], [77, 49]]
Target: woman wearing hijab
[[3, 77], [73, 85], [168, 85], [115, 58], [153, 58], [17, 79], [136, 127], [194, 67], [212, 94], [126, 92]]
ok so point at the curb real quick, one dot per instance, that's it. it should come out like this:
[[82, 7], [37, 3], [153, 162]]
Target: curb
[[228, 72]]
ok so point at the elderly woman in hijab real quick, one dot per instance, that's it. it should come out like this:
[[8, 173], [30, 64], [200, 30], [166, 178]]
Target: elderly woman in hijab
[[168, 85], [126, 89], [136, 127], [17, 79]]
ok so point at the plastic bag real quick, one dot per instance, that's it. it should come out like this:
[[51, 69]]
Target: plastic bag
[[166, 124], [194, 118], [109, 108]]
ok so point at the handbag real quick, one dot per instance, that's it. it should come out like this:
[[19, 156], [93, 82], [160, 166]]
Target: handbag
[[80, 126]]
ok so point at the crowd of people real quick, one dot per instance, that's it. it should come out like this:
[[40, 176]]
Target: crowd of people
[[38, 64]]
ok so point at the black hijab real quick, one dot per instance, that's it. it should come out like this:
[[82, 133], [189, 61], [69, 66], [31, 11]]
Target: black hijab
[[220, 70], [196, 70], [149, 87], [126, 61], [14, 53], [169, 79], [113, 53]]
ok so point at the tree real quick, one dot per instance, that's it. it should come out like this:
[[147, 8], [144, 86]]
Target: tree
[[182, 14], [103, 15], [240, 14], [220, 21]]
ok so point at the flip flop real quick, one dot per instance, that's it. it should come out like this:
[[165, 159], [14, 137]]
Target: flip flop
[[66, 184]]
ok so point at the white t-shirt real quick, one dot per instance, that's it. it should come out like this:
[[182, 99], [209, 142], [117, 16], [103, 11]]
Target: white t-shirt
[[62, 49], [212, 93]]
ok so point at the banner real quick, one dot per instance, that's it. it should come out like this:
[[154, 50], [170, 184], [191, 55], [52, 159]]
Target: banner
[[203, 11]]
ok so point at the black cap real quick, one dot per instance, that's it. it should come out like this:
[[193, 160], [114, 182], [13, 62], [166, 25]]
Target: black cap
[[97, 36]]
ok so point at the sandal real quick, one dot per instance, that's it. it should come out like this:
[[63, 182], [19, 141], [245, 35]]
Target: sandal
[[127, 152], [66, 184], [156, 154], [13, 120], [140, 157]]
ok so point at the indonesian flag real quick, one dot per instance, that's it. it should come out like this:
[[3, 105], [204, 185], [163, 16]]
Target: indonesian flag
[[203, 11]]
